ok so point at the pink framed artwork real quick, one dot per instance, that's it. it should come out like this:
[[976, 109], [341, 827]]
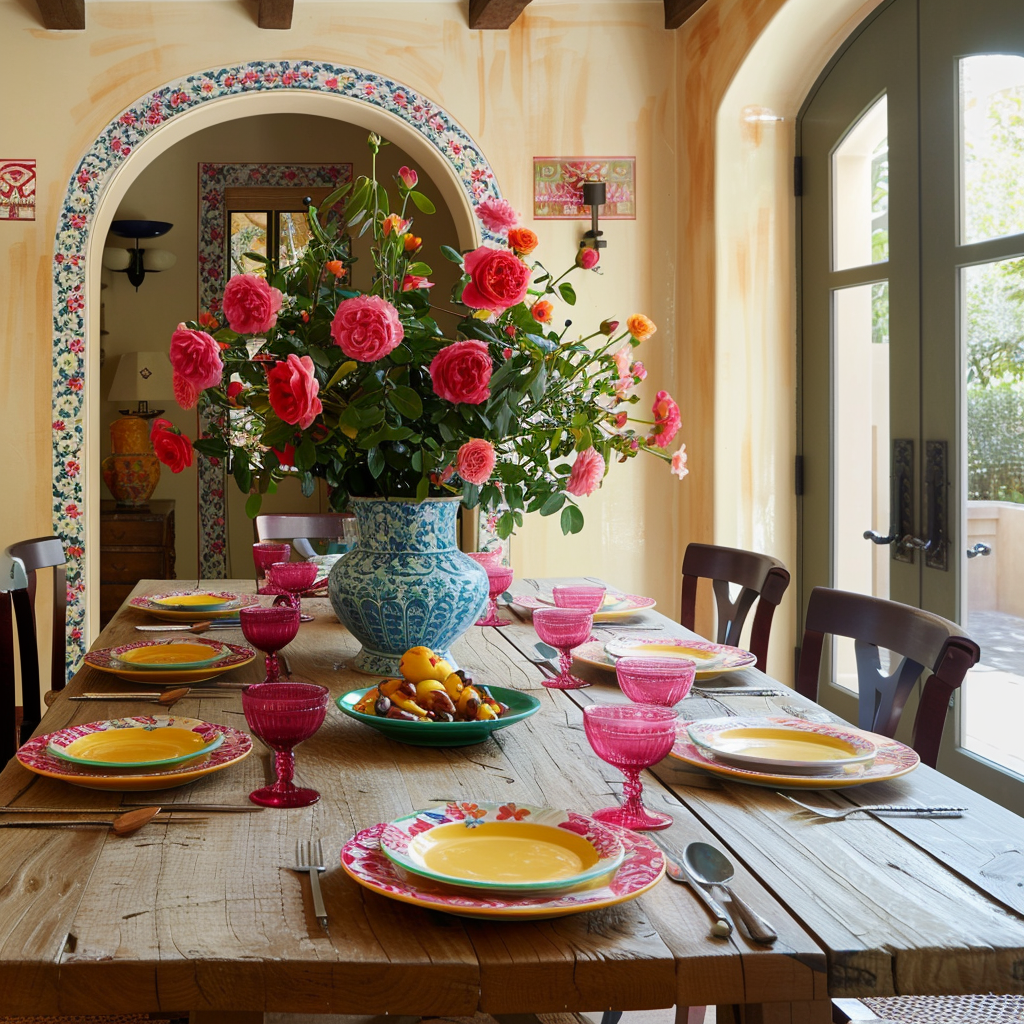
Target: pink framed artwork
[[558, 181], [17, 189]]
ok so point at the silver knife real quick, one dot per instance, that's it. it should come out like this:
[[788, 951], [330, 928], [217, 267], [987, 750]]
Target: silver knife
[[152, 696], [678, 872], [215, 624]]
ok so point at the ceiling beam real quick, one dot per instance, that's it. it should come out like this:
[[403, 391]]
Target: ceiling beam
[[495, 13], [276, 13], [678, 11], [63, 14]]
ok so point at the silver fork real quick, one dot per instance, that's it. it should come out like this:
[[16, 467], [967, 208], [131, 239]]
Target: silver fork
[[309, 856], [905, 810]]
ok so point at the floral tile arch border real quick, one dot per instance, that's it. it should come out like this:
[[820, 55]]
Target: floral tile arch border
[[86, 188]]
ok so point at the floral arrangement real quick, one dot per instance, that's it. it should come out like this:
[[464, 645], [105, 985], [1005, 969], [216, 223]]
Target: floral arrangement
[[366, 391]]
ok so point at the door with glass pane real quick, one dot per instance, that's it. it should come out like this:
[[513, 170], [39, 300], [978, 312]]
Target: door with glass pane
[[912, 366]]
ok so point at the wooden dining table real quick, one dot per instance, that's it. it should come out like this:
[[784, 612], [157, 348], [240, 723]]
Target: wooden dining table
[[210, 917]]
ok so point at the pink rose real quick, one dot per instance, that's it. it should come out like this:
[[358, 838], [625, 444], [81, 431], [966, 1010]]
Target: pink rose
[[497, 215], [667, 420], [679, 462], [411, 282], [293, 391], [195, 360], [186, 394], [497, 279], [250, 304], [461, 372], [587, 258], [587, 472], [475, 461], [409, 176], [367, 328]]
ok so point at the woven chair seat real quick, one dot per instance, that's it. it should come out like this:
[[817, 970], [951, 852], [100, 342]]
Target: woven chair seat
[[988, 1009]]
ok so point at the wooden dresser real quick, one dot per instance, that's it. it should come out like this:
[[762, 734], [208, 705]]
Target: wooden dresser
[[135, 544]]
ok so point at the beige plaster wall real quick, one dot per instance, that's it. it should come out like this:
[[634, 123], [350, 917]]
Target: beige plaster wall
[[572, 79]]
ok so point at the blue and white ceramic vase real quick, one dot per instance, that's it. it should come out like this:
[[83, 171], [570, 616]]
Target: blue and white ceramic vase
[[406, 583]]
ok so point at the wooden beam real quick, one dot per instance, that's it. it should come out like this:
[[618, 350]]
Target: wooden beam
[[276, 13], [495, 13], [678, 11], [62, 14]]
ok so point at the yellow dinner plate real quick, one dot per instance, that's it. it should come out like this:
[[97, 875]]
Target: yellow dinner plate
[[200, 601], [136, 748], [148, 603], [170, 654], [110, 660]]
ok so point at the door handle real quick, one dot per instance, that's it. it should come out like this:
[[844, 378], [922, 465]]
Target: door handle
[[901, 501], [979, 549], [876, 538]]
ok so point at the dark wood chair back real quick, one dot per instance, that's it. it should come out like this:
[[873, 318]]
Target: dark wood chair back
[[288, 526], [923, 641], [39, 553], [758, 576]]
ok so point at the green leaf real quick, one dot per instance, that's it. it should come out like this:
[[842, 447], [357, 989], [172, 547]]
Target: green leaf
[[451, 254], [585, 441], [240, 469], [305, 454], [568, 293], [552, 505], [256, 257], [212, 446], [423, 204], [328, 204], [342, 371], [252, 505], [406, 402], [308, 485], [572, 519], [420, 269], [375, 462], [423, 488]]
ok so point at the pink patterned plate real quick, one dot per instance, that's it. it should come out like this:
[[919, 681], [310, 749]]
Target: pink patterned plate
[[711, 659], [34, 756], [108, 660], [144, 602], [892, 760], [631, 604], [641, 868]]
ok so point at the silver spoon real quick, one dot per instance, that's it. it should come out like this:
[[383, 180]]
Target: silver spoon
[[710, 866]]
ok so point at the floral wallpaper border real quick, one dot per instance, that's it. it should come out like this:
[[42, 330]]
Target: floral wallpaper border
[[213, 275], [86, 187]]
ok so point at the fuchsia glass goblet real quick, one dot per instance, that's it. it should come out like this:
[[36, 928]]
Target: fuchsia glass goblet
[[498, 579], [631, 737], [283, 715], [660, 681], [270, 629], [589, 599], [265, 554], [564, 628], [290, 579]]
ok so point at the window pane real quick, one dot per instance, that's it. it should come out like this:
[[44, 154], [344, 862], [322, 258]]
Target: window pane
[[860, 452], [860, 192], [293, 236], [991, 146], [993, 333], [248, 234]]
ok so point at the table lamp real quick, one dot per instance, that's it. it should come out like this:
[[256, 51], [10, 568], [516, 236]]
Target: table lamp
[[132, 471]]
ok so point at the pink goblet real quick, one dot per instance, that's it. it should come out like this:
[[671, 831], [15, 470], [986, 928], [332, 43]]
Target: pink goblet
[[631, 737], [564, 628], [498, 579], [283, 715], [589, 599], [269, 629], [290, 579], [660, 681], [265, 554]]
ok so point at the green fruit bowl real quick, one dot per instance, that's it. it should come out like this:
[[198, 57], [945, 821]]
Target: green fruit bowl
[[444, 734]]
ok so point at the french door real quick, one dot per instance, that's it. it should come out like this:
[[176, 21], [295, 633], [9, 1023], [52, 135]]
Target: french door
[[912, 348]]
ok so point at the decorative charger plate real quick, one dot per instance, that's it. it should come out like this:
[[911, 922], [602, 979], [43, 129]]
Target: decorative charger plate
[[517, 848], [642, 867], [711, 659], [135, 743], [892, 760], [33, 755], [199, 600], [174, 655], [105, 660], [631, 604], [144, 602], [783, 746], [444, 734]]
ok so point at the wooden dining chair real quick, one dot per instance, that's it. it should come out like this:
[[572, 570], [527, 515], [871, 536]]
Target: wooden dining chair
[[758, 576], [289, 526], [921, 639], [36, 555]]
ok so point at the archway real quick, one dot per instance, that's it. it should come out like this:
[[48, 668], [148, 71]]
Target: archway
[[128, 144]]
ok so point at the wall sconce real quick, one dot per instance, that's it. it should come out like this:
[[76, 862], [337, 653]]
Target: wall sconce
[[593, 196], [138, 262]]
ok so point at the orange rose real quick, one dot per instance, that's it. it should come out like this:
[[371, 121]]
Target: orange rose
[[412, 243], [640, 326], [392, 222], [541, 311], [522, 240], [335, 267]]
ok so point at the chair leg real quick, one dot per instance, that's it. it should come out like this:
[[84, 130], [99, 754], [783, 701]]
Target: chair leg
[[611, 1017]]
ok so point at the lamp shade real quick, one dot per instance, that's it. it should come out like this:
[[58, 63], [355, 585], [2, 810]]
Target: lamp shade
[[116, 259], [142, 377]]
